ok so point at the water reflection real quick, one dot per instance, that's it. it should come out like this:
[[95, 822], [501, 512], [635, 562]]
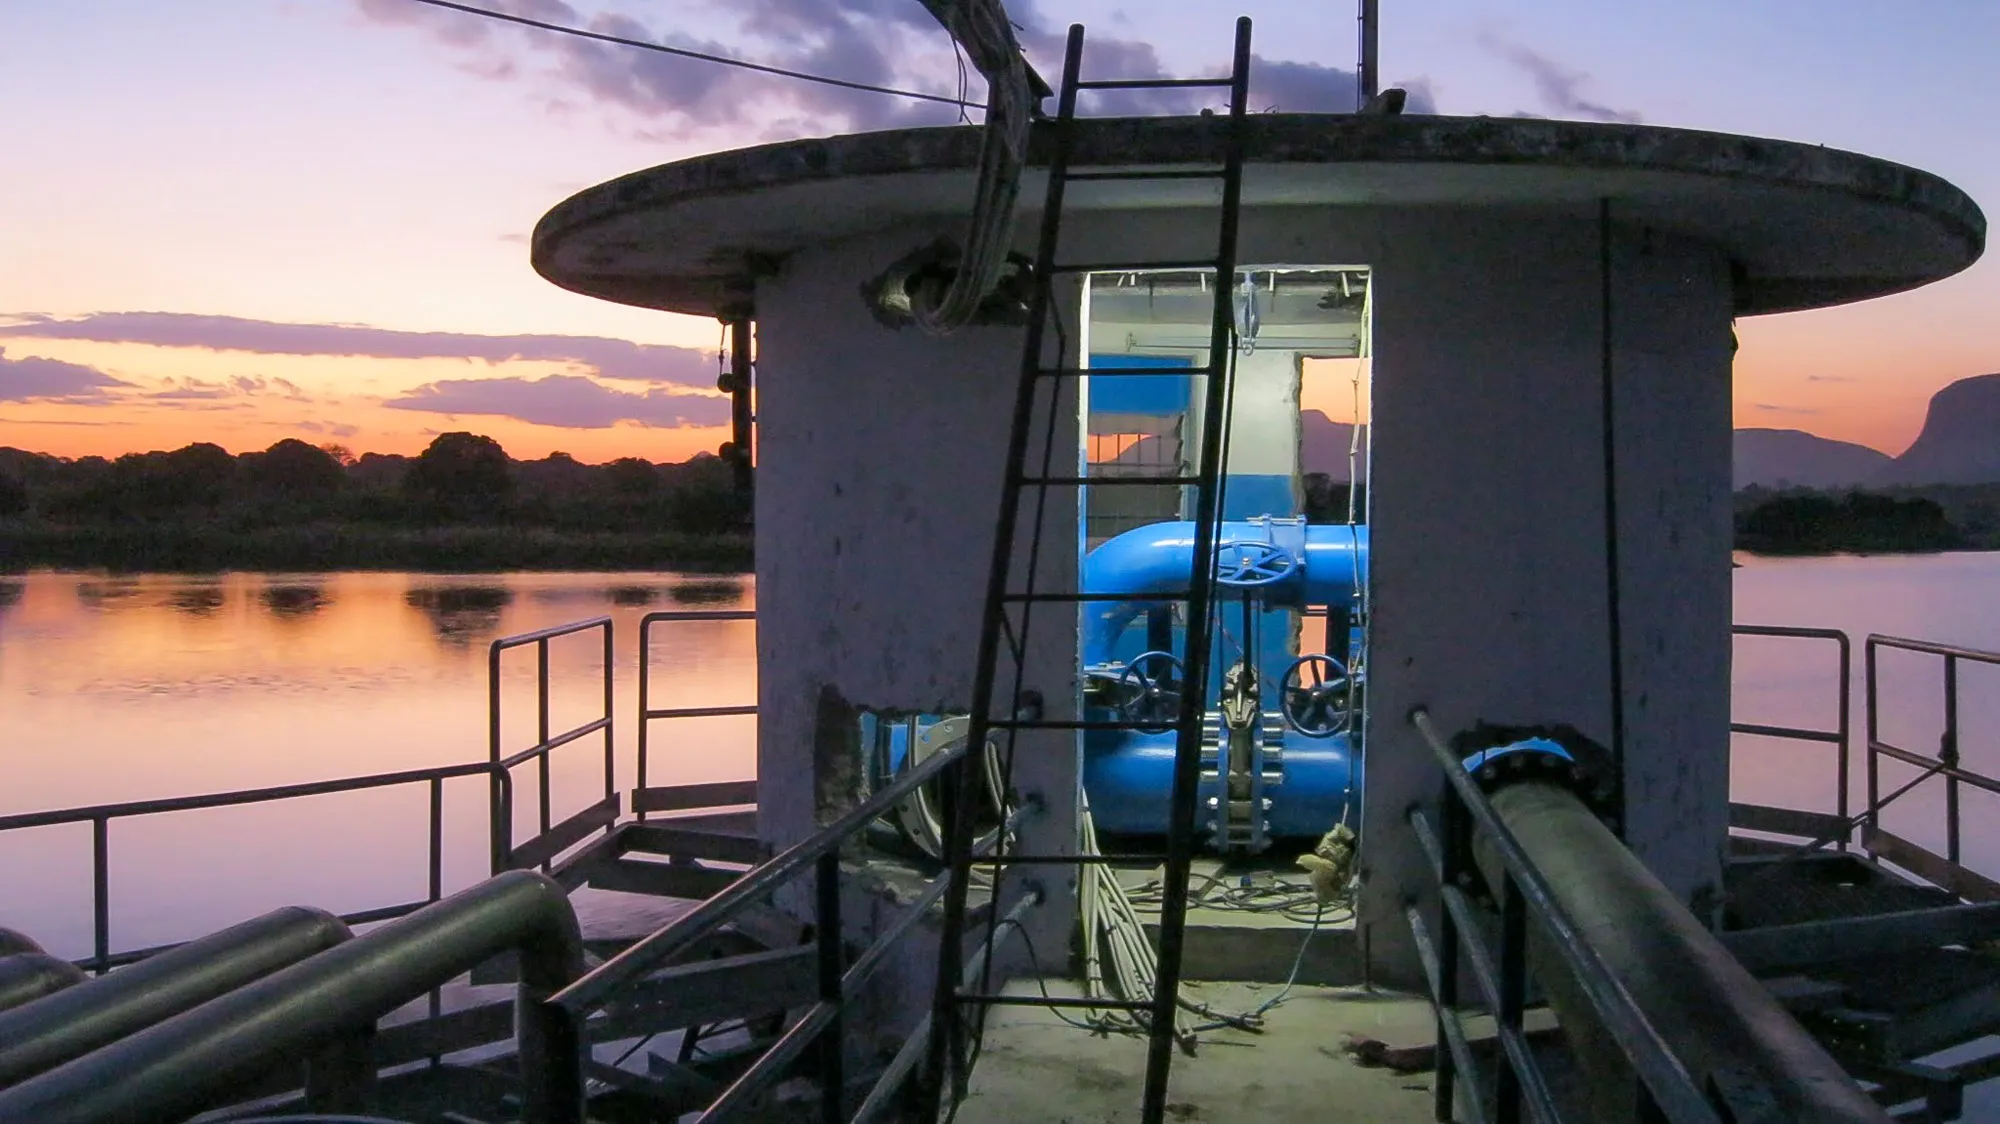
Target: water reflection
[[632, 594], [289, 602], [98, 594], [461, 615], [706, 592], [197, 600], [168, 685]]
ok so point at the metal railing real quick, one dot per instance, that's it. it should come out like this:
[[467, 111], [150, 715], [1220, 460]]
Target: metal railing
[[644, 798], [1668, 1091], [1947, 870], [551, 839], [1818, 826], [838, 978], [101, 816]]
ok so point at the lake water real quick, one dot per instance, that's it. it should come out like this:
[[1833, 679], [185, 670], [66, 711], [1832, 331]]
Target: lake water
[[128, 688]]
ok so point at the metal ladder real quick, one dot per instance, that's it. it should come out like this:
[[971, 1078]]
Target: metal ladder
[[1014, 590]]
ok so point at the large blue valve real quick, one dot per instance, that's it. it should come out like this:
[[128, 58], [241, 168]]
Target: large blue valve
[[1250, 563]]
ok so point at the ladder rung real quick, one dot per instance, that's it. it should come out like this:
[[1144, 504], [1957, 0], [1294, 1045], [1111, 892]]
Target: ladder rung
[[1207, 264], [1156, 84], [1156, 174], [1072, 860], [1062, 1001], [1115, 481], [1119, 372], [1089, 598]]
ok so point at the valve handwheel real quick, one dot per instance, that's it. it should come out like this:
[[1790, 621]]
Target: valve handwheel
[[1151, 691], [1241, 562], [1314, 693]]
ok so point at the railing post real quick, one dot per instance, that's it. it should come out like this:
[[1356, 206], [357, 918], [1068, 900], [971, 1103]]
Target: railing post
[[1844, 729], [645, 704], [1871, 720], [1452, 830], [100, 892], [832, 1048], [1513, 994], [502, 834], [542, 727], [1948, 753], [437, 839], [610, 740]]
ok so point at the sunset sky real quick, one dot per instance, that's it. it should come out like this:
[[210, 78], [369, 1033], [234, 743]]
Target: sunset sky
[[243, 220]]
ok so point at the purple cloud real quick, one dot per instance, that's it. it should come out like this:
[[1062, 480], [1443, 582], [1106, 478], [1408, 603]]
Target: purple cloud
[[879, 42], [609, 358], [52, 380], [854, 40], [331, 429], [1775, 408], [1558, 85], [568, 401]]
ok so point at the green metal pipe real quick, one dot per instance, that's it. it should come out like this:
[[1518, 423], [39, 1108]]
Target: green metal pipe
[[1753, 1059], [69, 1024]]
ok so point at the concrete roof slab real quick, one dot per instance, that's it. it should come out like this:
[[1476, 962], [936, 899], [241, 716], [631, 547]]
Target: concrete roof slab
[[1809, 226]]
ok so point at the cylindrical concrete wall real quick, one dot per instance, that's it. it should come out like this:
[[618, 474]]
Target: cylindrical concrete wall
[[879, 478]]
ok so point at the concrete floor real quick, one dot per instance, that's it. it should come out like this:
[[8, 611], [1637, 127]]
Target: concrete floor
[[1036, 1068]]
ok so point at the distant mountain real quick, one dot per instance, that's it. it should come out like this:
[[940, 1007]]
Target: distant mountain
[[1324, 443], [1789, 458], [1323, 447], [1960, 442]]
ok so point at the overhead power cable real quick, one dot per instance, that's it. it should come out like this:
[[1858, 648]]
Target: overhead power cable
[[699, 56]]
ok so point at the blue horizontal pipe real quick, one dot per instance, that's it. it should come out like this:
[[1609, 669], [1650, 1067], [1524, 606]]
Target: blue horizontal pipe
[[1129, 776], [1158, 558]]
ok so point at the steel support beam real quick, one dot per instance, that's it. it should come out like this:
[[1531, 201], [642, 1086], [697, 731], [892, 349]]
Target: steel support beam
[[1813, 943]]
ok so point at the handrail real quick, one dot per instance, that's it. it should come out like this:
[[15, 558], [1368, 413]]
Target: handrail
[[656, 949], [189, 1062], [545, 742], [1840, 736], [1673, 1090], [839, 978], [100, 817], [648, 713], [1947, 869]]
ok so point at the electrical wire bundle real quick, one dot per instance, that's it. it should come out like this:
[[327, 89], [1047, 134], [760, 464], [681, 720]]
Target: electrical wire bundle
[[981, 26]]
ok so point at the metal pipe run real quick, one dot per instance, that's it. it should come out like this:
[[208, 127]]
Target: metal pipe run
[[77, 1020], [1724, 1026], [197, 1059], [28, 976]]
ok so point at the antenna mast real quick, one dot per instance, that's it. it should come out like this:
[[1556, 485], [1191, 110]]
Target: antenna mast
[[1366, 76]]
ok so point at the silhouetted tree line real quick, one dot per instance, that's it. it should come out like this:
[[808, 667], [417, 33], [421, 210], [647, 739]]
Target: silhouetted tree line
[[462, 478], [1806, 522], [461, 491]]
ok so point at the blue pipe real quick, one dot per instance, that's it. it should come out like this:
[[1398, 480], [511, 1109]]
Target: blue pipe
[[1328, 565]]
